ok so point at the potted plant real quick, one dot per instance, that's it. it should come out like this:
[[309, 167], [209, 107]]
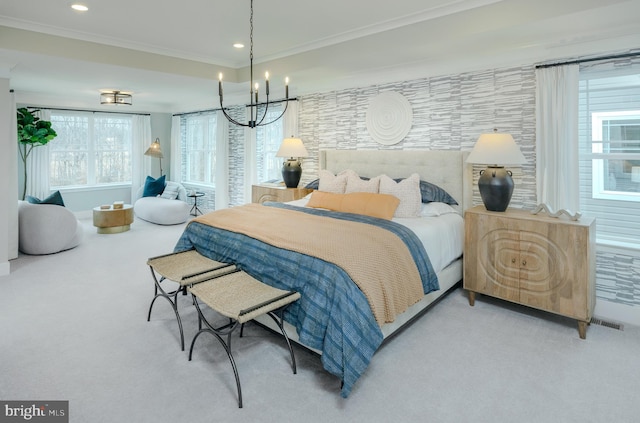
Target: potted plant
[[32, 132]]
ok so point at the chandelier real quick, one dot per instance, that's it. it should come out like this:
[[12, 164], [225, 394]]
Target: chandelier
[[254, 119]]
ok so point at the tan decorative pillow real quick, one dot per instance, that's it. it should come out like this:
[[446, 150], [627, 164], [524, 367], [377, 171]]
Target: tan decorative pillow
[[366, 203], [332, 183], [356, 184], [407, 191]]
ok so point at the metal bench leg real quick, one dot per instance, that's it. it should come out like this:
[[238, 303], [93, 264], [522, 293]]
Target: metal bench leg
[[278, 321], [160, 293], [215, 332]]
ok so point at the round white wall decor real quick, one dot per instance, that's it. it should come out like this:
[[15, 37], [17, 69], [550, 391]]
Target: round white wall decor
[[389, 118]]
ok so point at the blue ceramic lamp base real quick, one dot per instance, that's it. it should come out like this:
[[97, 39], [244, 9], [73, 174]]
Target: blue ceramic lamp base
[[496, 187]]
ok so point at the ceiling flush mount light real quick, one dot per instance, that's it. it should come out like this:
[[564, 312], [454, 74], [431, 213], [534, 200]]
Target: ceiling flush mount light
[[238, 45], [254, 119], [79, 7], [116, 97]]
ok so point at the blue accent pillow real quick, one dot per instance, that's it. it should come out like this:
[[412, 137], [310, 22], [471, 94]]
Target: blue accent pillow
[[153, 187], [433, 193], [313, 184], [55, 198]]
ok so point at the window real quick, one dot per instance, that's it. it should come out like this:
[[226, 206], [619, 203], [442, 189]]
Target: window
[[609, 135], [199, 149], [268, 140], [615, 148], [90, 149]]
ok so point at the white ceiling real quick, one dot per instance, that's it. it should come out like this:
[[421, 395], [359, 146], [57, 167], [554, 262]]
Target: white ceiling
[[168, 53]]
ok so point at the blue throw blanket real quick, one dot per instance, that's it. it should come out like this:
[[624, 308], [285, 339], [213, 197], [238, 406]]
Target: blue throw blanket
[[332, 315]]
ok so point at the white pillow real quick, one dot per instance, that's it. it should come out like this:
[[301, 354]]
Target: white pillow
[[435, 209], [355, 184], [332, 183], [170, 191], [407, 190]]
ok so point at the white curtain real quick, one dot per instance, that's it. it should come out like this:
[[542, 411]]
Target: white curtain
[[141, 128], [222, 161], [290, 120], [38, 166], [176, 150], [557, 176]]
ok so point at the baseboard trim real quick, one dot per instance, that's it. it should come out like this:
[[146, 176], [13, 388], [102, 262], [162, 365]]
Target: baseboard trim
[[616, 312]]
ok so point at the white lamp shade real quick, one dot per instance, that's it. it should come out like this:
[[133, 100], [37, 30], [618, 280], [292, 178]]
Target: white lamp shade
[[292, 147], [497, 149]]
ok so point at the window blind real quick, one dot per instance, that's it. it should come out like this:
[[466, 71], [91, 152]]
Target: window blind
[[609, 137]]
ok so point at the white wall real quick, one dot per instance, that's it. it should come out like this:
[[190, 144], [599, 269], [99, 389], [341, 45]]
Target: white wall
[[8, 207]]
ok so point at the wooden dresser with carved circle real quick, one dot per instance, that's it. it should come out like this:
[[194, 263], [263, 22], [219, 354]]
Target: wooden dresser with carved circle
[[535, 260]]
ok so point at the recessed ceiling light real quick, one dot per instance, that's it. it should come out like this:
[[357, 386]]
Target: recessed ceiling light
[[238, 45], [79, 7]]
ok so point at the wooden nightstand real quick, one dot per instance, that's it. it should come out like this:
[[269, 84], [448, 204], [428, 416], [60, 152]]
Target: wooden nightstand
[[262, 193], [534, 260]]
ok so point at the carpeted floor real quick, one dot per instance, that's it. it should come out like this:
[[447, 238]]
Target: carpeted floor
[[73, 327]]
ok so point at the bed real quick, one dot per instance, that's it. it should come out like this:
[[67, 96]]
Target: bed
[[334, 317]]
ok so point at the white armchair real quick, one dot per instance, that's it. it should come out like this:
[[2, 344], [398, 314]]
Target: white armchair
[[162, 211], [47, 228]]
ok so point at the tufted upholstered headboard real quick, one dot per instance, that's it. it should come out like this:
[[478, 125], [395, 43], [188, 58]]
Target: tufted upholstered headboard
[[445, 168]]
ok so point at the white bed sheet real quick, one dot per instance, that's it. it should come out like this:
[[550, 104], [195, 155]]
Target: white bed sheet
[[442, 236]]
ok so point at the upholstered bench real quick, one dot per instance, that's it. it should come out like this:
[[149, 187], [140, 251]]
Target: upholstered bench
[[241, 298], [185, 268]]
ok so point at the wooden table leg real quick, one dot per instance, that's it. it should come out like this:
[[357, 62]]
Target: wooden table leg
[[472, 298], [582, 329]]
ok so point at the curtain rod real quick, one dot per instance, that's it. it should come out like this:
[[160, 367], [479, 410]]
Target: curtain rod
[[246, 105], [88, 111], [274, 102], [196, 112], [592, 59]]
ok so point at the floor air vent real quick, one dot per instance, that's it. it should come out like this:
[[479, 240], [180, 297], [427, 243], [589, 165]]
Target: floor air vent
[[604, 323]]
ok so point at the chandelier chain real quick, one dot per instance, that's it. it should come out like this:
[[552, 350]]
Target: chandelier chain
[[251, 34], [253, 100]]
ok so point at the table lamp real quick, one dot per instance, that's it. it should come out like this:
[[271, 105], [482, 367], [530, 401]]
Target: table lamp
[[495, 183], [291, 169]]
